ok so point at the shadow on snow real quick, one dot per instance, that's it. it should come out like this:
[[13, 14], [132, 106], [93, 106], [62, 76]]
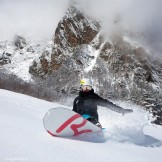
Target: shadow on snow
[[102, 137]]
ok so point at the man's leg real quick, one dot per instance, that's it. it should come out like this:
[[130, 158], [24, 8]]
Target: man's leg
[[95, 122]]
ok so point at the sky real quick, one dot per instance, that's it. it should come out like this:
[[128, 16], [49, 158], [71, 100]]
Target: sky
[[139, 16], [36, 19], [39, 18]]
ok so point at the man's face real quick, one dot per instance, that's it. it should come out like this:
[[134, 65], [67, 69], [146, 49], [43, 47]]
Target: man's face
[[85, 88]]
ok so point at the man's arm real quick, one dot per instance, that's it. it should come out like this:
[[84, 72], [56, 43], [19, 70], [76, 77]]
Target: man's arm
[[112, 106]]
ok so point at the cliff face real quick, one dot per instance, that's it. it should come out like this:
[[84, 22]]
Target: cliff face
[[119, 70], [73, 30]]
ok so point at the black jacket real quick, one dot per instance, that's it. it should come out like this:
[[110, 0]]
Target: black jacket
[[87, 102]]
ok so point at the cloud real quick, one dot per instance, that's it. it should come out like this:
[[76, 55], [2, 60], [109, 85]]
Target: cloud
[[37, 19], [139, 16]]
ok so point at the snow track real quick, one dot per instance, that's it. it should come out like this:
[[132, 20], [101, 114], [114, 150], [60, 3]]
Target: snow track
[[129, 138]]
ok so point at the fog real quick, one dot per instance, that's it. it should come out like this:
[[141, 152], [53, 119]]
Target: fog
[[141, 17], [38, 19]]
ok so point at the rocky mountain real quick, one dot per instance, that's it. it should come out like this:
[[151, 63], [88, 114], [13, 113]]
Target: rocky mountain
[[73, 30], [16, 56], [119, 69]]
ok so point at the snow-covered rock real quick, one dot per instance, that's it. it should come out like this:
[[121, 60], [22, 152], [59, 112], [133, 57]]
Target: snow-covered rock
[[73, 30], [16, 56]]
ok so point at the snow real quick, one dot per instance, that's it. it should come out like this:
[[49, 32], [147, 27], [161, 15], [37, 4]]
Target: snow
[[22, 59], [133, 42], [95, 53], [1, 53], [20, 65], [129, 138]]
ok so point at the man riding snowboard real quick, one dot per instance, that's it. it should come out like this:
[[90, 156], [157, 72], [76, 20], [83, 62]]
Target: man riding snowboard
[[87, 102]]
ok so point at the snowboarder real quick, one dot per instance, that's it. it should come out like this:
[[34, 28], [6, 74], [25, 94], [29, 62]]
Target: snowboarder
[[87, 101]]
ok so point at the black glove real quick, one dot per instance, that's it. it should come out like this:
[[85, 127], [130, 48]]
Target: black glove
[[126, 111]]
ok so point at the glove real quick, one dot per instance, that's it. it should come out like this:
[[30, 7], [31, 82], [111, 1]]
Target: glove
[[126, 111]]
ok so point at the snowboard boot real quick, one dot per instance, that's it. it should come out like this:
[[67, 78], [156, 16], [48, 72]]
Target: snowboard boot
[[98, 125], [95, 122]]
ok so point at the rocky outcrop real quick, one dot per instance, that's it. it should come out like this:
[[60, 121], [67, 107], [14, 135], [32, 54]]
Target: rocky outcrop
[[73, 30], [6, 52], [20, 41], [9, 48]]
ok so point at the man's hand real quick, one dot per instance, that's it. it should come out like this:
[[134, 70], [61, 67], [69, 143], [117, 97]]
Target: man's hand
[[126, 111]]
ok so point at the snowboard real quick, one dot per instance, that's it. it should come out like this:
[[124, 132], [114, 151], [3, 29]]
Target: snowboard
[[62, 122]]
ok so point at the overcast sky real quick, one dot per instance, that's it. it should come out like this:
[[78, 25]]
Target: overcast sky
[[142, 16], [39, 18], [34, 18]]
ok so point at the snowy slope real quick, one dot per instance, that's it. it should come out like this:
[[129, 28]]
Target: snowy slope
[[128, 138], [22, 59]]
